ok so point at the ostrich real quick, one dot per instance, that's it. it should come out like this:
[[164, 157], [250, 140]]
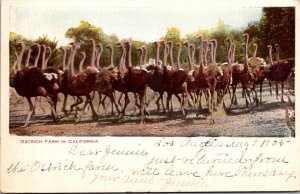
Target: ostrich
[[28, 56], [246, 76], [206, 79], [49, 55], [136, 81], [80, 85], [23, 48], [193, 50], [38, 46], [33, 82], [156, 78], [99, 55], [105, 79], [192, 86], [259, 68], [280, 70], [170, 43], [81, 63], [224, 81], [175, 82]]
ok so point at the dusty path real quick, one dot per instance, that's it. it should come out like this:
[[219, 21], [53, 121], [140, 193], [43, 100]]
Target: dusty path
[[268, 120]]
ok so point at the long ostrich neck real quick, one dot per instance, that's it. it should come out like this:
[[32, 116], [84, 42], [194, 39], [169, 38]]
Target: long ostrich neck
[[157, 52], [28, 57], [50, 53], [141, 57], [270, 54], [246, 54], [129, 55], [124, 67], [189, 56], [111, 56], [215, 51], [233, 53], [43, 56], [211, 52], [69, 59], [15, 63], [81, 62], [229, 52], [121, 59], [205, 54], [72, 63], [21, 56], [38, 56], [245, 51], [99, 55], [192, 51], [178, 56], [255, 51], [193, 55], [171, 54], [146, 55], [200, 51], [64, 59], [165, 53], [93, 54]]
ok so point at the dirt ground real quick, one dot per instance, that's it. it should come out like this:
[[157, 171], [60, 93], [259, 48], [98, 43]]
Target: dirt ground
[[267, 120]]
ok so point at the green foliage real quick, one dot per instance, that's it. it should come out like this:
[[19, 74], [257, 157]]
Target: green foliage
[[173, 34], [278, 26]]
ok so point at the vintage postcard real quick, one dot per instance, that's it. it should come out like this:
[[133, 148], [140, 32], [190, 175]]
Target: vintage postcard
[[149, 96]]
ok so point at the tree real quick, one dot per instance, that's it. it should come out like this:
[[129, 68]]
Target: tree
[[81, 35], [277, 25], [173, 34]]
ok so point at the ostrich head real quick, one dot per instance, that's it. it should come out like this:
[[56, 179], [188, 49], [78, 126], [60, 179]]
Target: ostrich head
[[246, 36], [178, 44], [119, 44], [83, 54], [156, 43], [186, 43], [269, 46], [164, 42], [72, 44], [200, 39], [140, 48], [170, 43], [228, 40], [36, 44], [128, 43], [99, 45], [109, 46]]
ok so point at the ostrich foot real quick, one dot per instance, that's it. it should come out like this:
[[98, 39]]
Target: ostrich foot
[[142, 122], [24, 126], [77, 120], [147, 113], [95, 117], [121, 115]]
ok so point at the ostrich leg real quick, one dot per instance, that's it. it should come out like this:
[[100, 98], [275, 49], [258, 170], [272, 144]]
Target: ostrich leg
[[30, 112], [282, 86]]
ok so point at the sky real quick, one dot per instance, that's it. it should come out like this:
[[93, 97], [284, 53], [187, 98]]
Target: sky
[[141, 20]]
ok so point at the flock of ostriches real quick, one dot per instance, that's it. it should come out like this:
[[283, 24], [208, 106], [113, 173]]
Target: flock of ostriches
[[205, 77]]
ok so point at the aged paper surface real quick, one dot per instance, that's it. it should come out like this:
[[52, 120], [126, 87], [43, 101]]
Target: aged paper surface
[[104, 161]]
